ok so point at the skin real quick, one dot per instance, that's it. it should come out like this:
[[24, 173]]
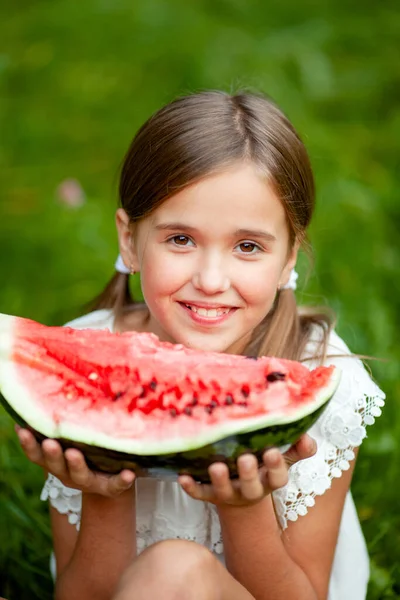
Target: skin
[[209, 263]]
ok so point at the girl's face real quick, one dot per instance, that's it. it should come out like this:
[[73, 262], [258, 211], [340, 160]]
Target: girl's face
[[211, 258]]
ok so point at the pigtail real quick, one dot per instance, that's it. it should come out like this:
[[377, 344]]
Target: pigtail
[[286, 330], [116, 295]]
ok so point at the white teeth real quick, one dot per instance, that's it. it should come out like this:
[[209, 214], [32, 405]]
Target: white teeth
[[211, 313], [203, 312]]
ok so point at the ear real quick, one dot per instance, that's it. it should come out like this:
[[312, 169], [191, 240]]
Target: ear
[[290, 264], [125, 230]]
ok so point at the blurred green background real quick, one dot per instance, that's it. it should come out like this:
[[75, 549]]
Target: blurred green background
[[77, 80]]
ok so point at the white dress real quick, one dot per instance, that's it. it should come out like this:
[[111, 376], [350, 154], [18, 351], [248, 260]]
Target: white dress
[[165, 511]]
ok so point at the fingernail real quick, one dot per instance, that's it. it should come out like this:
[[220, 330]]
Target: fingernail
[[246, 462], [185, 482], [129, 478], [274, 458], [247, 465], [312, 445]]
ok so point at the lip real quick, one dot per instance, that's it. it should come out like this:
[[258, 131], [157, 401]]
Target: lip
[[207, 321], [207, 305]]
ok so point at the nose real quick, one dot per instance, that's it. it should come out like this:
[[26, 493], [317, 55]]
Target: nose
[[211, 276]]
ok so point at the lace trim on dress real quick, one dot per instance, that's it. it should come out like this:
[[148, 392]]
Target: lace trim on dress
[[65, 500], [151, 528], [338, 432], [207, 534]]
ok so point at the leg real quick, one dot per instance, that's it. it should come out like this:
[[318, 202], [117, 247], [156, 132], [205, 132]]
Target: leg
[[179, 570]]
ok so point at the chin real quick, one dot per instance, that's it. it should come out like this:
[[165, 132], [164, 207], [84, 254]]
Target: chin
[[206, 343]]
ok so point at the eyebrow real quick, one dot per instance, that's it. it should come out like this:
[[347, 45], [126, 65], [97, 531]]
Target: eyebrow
[[250, 233]]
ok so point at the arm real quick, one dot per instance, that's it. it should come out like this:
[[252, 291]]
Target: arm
[[90, 565], [65, 536], [295, 563]]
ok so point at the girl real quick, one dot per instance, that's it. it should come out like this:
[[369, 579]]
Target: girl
[[216, 195]]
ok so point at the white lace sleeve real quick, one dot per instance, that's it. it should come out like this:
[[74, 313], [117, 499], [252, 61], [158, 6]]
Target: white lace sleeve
[[66, 501], [341, 428]]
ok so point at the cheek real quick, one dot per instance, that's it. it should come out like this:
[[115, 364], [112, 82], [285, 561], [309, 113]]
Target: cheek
[[258, 286], [160, 277]]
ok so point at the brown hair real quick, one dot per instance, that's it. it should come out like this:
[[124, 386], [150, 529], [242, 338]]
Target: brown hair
[[203, 133]]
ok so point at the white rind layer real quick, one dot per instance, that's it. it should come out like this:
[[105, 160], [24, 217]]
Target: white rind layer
[[21, 401], [12, 387], [146, 447]]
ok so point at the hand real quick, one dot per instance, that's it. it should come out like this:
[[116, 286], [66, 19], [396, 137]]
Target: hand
[[70, 467], [253, 483]]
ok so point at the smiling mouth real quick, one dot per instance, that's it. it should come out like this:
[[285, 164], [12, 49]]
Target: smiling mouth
[[208, 312]]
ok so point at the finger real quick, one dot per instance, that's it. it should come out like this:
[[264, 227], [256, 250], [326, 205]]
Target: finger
[[190, 486], [30, 446], [99, 483], [54, 460], [222, 485], [277, 471], [196, 490], [77, 468], [304, 448], [121, 482], [250, 484]]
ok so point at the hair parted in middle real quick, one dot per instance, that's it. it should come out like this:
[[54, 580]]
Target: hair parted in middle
[[201, 134]]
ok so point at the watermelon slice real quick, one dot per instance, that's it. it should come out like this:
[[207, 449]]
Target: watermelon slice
[[130, 401]]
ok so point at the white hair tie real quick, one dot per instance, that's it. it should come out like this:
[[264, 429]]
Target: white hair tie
[[121, 267], [291, 284]]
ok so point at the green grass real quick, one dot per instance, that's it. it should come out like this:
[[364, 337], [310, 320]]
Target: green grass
[[78, 78]]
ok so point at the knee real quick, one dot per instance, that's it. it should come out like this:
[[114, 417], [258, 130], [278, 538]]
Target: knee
[[178, 557], [171, 569]]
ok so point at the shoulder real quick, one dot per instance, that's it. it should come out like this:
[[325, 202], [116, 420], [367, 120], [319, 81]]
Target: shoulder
[[98, 319], [356, 381], [335, 346], [357, 400]]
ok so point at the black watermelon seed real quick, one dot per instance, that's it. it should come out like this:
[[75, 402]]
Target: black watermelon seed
[[188, 410], [118, 396], [245, 391], [208, 409], [195, 400], [173, 412], [153, 384], [213, 404], [229, 399], [276, 376]]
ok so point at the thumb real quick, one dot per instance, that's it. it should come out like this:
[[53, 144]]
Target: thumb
[[305, 447], [117, 484]]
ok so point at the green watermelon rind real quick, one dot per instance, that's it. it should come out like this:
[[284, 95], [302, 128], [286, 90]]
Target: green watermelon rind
[[194, 462], [222, 441], [27, 409]]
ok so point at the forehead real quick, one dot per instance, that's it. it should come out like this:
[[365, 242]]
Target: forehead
[[236, 197]]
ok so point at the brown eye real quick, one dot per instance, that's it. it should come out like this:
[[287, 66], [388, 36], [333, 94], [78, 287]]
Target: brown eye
[[248, 247], [180, 240]]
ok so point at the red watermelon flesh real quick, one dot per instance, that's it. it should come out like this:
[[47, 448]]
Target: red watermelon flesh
[[133, 394]]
